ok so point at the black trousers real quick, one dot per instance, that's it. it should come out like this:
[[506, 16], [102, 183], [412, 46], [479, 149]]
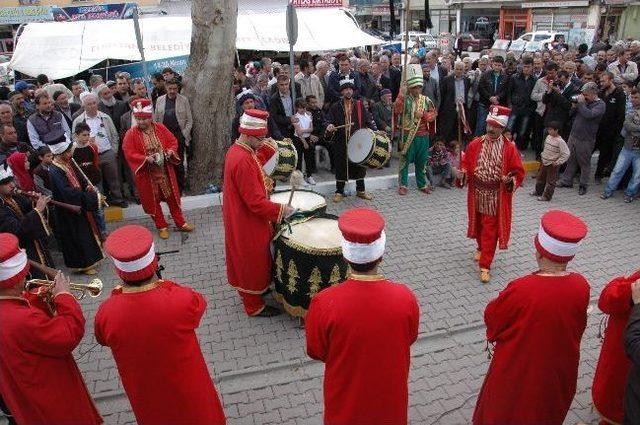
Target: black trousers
[[308, 155], [605, 143], [359, 186], [537, 141]]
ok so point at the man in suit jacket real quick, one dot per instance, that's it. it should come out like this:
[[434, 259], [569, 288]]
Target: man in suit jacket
[[557, 100], [281, 108], [431, 88], [492, 91], [63, 106], [390, 77], [455, 89], [343, 71]]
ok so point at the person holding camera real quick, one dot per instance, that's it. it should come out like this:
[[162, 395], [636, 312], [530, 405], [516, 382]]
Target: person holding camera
[[588, 110], [557, 101]]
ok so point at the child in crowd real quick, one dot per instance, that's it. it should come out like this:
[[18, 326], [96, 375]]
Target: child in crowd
[[317, 135], [41, 171], [302, 141], [86, 156], [554, 154], [439, 165]]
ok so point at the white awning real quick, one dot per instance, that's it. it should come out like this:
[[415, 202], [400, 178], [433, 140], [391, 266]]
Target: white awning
[[63, 49]]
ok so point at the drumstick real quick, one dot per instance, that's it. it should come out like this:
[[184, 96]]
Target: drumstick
[[343, 126], [296, 180]]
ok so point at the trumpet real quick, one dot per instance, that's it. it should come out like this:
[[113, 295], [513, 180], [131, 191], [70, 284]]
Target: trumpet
[[80, 290]]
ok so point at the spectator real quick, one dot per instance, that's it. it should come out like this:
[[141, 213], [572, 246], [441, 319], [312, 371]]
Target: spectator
[[491, 90], [63, 106], [454, 91], [369, 88], [110, 105], [383, 112], [317, 135], [123, 89], [41, 171], [19, 163], [281, 107], [430, 88], [173, 110], [95, 80], [105, 136], [27, 102], [389, 77], [629, 155], [474, 97], [439, 165], [343, 71], [589, 109], [7, 118], [587, 59], [76, 89], [623, 69], [306, 148], [609, 134], [555, 153], [139, 89], [322, 69], [518, 96], [8, 141], [438, 73], [240, 80], [310, 84], [158, 87], [47, 124], [557, 101]]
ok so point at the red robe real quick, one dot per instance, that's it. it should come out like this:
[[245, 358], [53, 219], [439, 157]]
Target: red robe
[[153, 340], [39, 378], [248, 214], [610, 380], [511, 163], [134, 152], [536, 324], [363, 330]]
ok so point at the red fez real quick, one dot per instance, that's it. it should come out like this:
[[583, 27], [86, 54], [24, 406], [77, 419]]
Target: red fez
[[560, 235], [253, 122], [132, 251], [14, 265], [498, 116], [142, 107], [363, 237]]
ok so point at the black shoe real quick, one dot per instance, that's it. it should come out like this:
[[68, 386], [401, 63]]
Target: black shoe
[[268, 311], [582, 190], [564, 185]]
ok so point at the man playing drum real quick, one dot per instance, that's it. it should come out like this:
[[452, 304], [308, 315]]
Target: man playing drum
[[248, 216], [346, 116], [362, 329], [416, 111]]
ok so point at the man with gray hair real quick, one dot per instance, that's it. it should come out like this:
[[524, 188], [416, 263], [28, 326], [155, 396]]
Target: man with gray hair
[[589, 109], [322, 68], [110, 105]]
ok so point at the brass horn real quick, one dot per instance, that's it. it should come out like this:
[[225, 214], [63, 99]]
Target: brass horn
[[93, 288]]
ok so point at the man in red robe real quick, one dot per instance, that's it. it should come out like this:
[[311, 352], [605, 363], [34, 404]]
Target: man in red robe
[[150, 149], [535, 325], [39, 379], [249, 215], [150, 325], [493, 169], [362, 330], [610, 380]]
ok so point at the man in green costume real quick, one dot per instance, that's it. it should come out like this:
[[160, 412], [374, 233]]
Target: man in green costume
[[417, 116]]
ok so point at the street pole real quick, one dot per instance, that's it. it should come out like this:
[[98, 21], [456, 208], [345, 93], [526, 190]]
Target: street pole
[[136, 26], [292, 35]]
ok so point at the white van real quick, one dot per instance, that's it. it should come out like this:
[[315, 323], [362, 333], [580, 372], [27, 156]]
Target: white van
[[532, 41]]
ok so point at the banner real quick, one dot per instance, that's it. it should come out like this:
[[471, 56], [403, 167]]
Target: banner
[[178, 64], [98, 11], [317, 3], [25, 14]]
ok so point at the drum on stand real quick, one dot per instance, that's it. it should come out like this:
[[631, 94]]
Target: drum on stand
[[307, 259], [307, 202], [369, 148], [283, 162]]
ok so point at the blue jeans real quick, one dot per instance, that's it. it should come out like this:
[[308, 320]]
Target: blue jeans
[[518, 125], [481, 122], [627, 157]]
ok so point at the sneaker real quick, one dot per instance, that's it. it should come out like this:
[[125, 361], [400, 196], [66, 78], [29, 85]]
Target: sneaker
[[338, 197], [365, 195], [605, 195], [628, 199], [310, 181], [543, 199]]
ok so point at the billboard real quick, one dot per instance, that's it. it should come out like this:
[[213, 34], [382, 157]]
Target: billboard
[[317, 3], [92, 12]]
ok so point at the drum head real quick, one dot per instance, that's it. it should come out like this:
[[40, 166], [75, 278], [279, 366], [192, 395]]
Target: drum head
[[318, 233], [360, 145], [270, 166], [302, 200]]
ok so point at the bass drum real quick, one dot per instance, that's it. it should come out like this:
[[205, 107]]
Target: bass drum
[[307, 259], [307, 202], [369, 148], [283, 162]]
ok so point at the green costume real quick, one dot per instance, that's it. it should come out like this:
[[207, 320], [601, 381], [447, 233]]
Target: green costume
[[415, 149]]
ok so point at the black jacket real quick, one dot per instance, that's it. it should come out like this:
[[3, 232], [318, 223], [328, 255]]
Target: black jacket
[[392, 82], [518, 93], [614, 114], [632, 348], [115, 112], [368, 88], [277, 112], [559, 106], [73, 108], [487, 88]]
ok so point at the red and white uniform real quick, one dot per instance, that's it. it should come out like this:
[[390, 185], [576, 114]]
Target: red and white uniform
[[248, 216], [39, 379], [151, 333], [536, 325], [362, 329], [610, 380]]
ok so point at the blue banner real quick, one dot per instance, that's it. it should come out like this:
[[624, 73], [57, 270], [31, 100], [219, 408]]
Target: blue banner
[[178, 64], [93, 12]]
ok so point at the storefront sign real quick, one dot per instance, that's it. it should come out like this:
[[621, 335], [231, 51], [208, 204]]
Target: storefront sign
[[178, 64], [93, 12], [317, 3], [556, 4], [24, 14]]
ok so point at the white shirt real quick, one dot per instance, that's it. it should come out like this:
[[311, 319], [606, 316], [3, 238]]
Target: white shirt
[[99, 131], [305, 123]]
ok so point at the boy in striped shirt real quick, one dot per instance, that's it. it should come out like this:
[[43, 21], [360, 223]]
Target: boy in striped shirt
[[555, 153]]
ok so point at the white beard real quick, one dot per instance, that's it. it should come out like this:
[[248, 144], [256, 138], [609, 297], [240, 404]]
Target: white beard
[[110, 102]]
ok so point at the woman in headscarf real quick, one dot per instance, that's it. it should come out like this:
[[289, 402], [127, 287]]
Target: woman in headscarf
[[19, 163]]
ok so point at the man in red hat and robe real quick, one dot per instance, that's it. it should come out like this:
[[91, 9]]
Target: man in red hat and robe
[[249, 215], [535, 326], [493, 170], [150, 149], [40, 382], [613, 366], [362, 330], [150, 325]]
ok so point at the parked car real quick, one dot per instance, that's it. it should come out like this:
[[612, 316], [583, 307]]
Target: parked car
[[468, 42], [532, 41], [425, 39]]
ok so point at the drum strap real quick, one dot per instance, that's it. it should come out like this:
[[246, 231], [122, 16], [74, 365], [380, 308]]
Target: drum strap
[[359, 111]]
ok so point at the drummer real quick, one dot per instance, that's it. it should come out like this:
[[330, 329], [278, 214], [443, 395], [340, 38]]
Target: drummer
[[345, 117], [248, 215]]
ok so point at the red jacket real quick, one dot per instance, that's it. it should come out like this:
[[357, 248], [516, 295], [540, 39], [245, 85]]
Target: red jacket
[[610, 380], [536, 324], [39, 378], [248, 216], [362, 329], [153, 340], [134, 153], [511, 163]]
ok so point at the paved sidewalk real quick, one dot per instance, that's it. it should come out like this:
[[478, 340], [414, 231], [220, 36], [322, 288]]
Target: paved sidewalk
[[260, 367]]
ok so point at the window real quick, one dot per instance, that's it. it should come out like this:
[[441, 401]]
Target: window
[[526, 37], [541, 37]]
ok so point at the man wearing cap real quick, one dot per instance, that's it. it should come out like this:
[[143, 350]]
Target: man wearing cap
[[362, 330], [26, 102], [39, 379], [416, 115], [146, 315], [247, 100], [248, 215], [78, 235], [150, 149], [110, 105], [47, 124], [610, 379], [493, 170], [19, 217], [535, 326], [351, 116]]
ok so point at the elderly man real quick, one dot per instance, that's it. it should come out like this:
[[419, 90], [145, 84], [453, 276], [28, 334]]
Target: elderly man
[[110, 105], [47, 124], [173, 110], [431, 88], [62, 105], [310, 84], [389, 77], [589, 110], [7, 118], [369, 88], [454, 95], [623, 69], [105, 135], [383, 112], [8, 141]]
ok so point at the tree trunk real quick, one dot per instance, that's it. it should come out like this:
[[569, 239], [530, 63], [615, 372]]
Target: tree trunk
[[207, 84]]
